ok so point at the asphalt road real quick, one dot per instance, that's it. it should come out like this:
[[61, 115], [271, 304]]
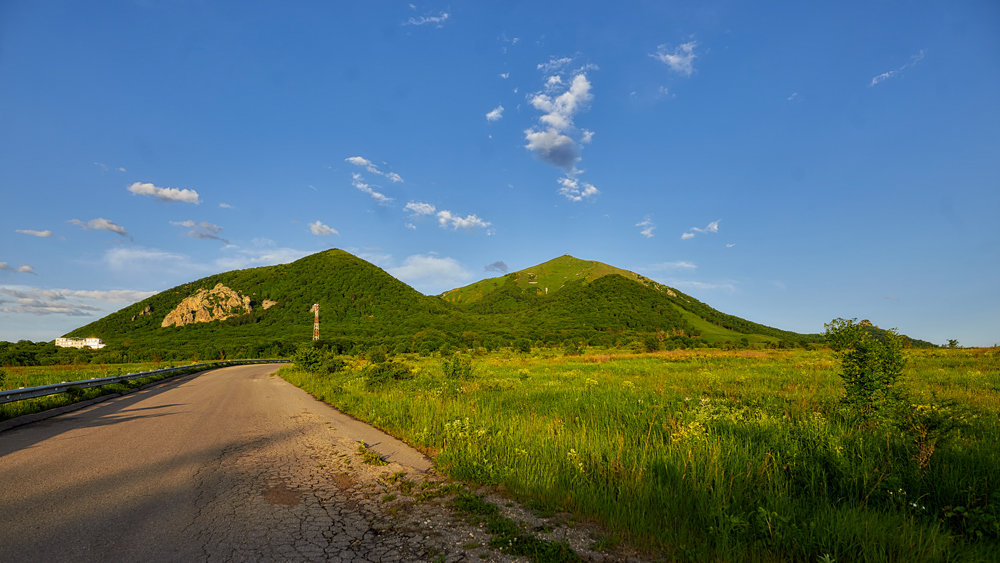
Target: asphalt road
[[232, 464]]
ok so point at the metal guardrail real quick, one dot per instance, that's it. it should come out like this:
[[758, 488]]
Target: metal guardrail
[[56, 388]]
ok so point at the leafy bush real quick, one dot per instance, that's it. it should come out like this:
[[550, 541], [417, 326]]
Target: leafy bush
[[377, 375], [457, 367], [871, 364]]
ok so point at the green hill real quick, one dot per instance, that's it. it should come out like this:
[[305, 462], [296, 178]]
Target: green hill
[[579, 294], [266, 312]]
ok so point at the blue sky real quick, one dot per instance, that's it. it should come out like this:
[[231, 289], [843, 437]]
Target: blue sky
[[785, 162]]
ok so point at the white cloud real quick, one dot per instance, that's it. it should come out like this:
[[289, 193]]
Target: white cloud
[[264, 252], [559, 110], [575, 190], [23, 269], [495, 114], [504, 75], [370, 166], [680, 60], [586, 137], [892, 73], [203, 230], [358, 183], [420, 208], [164, 194], [68, 302], [431, 274], [225, 206], [437, 20], [43, 234], [469, 222], [130, 259], [730, 244], [122, 169], [319, 229], [647, 227], [712, 227], [101, 224], [553, 147], [792, 97], [554, 64]]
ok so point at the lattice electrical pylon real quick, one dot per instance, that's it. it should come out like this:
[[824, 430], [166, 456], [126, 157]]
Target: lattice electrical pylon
[[315, 309]]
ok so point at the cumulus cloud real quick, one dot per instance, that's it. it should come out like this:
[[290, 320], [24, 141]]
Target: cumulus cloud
[[360, 184], [469, 222], [495, 114], [319, 229], [370, 167], [498, 266], [680, 59], [712, 227], [647, 227], [892, 73], [431, 274], [164, 194], [43, 234], [101, 224], [201, 230], [559, 110], [69, 302], [420, 208], [552, 147], [438, 20], [575, 190]]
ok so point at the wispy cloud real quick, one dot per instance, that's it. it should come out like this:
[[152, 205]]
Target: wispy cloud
[[225, 206], [679, 59], [69, 302], [358, 182], [420, 208], [23, 269], [437, 21], [319, 229], [892, 73], [371, 167], [647, 226], [495, 114], [43, 234], [101, 224], [201, 230], [712, 227], [554, 64], [164, 194]]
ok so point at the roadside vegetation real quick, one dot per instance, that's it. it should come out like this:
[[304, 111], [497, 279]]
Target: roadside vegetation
[[869, 452]]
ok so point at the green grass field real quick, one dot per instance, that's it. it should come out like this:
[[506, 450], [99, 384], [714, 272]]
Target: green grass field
[[710, 455]]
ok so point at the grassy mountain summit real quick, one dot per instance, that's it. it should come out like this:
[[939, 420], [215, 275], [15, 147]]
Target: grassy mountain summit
[[543, 279], [266, 311]]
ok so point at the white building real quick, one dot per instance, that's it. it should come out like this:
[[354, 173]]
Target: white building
[[94, 343]]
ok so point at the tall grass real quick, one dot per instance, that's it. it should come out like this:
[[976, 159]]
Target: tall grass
[[706, 454]]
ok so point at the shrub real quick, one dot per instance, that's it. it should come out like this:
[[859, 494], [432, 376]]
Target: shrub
[[377, 375], [457, 367], [871, 362]]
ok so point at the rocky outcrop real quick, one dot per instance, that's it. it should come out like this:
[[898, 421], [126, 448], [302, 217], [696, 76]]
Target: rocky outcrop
[[267, 304], [143, 313], [208, 305]]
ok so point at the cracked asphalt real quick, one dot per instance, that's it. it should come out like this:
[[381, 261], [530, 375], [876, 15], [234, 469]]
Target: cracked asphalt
[[234, 465]]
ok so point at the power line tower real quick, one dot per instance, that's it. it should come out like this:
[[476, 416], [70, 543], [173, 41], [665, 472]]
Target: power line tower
[[315, 309]]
